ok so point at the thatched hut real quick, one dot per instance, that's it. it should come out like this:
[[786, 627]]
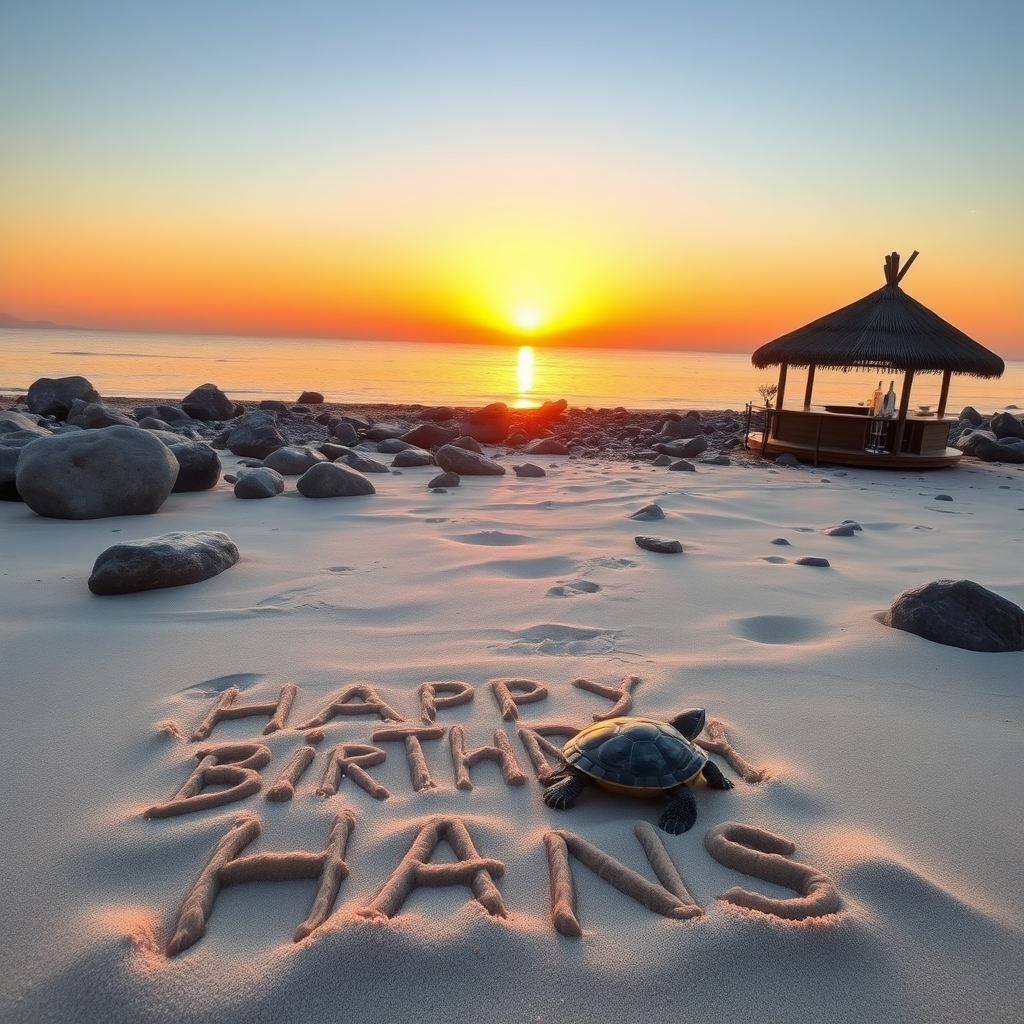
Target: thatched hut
[[888, 331]]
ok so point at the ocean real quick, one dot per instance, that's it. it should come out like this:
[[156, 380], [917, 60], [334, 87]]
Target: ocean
[[168, 366]]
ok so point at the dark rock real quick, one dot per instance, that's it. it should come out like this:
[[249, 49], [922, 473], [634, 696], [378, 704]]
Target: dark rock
[[198, 464], [959, 613], [93, 416], [293, 460], [788, 460], [528, 469], [255, 435], [343, 431], [489, 425], [383, 431], [471, 444], [311, 398], [842, 530], [546, 446], [361, 463], [662, 545], [681, 428], [682, 466], [91, 474], [821, 563], [13, 422], [333, 451], [780, 541], [153, 423], [430, 435], [454, 459], [981, 445], [171, 560], [53, 396], [684, 448], [258, 483], [393, 445], [649, 512], [208, 402], [445, 480], [412, 457], [662, 460], [943, 497], [273, 405], [333, 480], [969, 413], [716, 460], [438, 414], [1005, 424]]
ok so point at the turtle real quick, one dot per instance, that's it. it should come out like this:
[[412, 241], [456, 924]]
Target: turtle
[[639, 757]]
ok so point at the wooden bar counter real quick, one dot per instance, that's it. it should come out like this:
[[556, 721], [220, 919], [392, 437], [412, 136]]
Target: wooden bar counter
[[849, 436]]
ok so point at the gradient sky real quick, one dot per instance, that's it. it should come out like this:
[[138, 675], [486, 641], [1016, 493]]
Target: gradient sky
[[657, 173]]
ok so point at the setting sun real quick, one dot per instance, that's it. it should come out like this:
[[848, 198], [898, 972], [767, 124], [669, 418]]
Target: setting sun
[[528, 319]]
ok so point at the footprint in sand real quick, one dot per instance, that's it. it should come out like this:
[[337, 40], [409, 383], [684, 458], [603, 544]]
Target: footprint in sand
[[778, 629], [492, 538], [554, 638], [572, 588]]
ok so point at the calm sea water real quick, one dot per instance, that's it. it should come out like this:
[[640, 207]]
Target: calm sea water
[[171, 365]]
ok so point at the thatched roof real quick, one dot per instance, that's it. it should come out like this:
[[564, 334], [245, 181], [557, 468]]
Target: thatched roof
[[885, 330]]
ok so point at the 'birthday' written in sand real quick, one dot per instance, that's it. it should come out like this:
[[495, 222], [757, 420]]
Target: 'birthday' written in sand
[[222, 773]]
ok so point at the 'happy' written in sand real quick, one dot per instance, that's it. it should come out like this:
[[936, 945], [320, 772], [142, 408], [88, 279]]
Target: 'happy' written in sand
[[222, 773]]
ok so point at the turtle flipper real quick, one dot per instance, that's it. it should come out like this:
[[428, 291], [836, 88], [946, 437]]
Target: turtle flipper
[[714, 778], [564, 791], [681, 812]]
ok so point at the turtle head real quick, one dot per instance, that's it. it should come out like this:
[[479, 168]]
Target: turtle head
[[690, 723]]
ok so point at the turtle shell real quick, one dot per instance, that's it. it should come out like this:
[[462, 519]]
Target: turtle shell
[[641, 756]]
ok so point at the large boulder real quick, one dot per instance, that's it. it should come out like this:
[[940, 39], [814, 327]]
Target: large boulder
[[488, 425], [983, 445], [13, 422], [1005, 424], [255, 435], [171, 560], [53, 396], [293, 460], [208, 402], [453, 459], [93, 415], [259, 483], [684, 448], [198, 464], [91, 474], [959, 613], [333, 480], [430, 434]]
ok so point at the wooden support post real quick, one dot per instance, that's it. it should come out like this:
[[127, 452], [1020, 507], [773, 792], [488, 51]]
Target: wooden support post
[[810, 386], [778, 401], [901, 421], [944, 393]]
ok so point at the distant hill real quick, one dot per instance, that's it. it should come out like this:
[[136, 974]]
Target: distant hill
[[6, 320]]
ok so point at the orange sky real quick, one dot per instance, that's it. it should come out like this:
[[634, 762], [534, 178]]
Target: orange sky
[[605, 199]]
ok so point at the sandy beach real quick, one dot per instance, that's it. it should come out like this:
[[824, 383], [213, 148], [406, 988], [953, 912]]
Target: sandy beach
[[891, 763]]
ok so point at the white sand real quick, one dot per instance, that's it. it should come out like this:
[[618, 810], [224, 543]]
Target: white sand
[[896, 764]]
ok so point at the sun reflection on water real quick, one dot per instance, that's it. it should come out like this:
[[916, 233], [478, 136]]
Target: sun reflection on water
[[524, 376]]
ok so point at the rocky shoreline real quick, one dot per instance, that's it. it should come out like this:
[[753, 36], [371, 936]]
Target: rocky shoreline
[[289, 438]]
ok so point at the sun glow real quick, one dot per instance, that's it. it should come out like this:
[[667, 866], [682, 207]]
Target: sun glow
[[528, 319]]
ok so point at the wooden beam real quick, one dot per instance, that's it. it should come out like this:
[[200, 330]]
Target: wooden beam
[[901, 420], [944, 393], [906, 266], [810, 385], [781, 392]]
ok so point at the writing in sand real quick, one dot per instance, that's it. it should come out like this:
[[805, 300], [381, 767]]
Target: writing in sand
[[221, 773]]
